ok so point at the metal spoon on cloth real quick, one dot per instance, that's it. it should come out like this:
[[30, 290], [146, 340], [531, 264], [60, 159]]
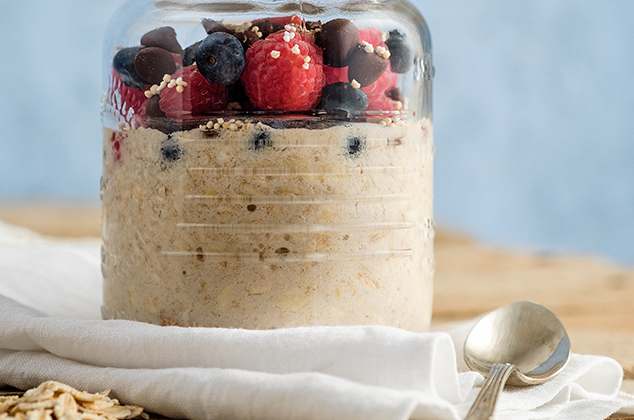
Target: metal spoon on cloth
[[523, 343]]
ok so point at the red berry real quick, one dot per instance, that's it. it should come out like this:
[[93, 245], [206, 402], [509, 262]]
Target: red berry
[[377, 98], [197, 97], [125, 104], [116, 139], [284, 72], [377, 92], [372, 36]]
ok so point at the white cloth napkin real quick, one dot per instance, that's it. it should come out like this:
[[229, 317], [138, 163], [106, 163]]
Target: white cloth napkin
[[50, 330]]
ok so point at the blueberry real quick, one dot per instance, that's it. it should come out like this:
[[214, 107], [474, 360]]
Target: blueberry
[[260, 140], [355, 145], [171, 150], [189, 54], [220, 58], [123, 63], [342, 96], [400, 53]]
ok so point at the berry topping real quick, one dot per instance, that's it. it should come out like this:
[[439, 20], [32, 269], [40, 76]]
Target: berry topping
[[338, 38], [376, 92], [220, 58], [124, 103], [116, 139], [152, 63], [401, 55], [343, 96], [164, 37], [355, 145], [284, 72], [212, 26], [372, 36], [366, 66], [188, 93], [123, 63]]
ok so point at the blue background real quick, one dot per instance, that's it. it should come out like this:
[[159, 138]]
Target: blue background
[[533, 105]]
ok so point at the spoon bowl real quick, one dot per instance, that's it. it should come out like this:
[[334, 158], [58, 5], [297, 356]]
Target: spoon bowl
[[522, 343]]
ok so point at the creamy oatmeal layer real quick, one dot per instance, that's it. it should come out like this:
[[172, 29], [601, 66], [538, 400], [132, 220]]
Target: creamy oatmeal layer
[[248, 226]]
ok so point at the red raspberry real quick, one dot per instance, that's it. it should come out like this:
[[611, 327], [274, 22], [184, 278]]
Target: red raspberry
[[377, 98], [372, 36], [284, 74], [124, 104], [197, 97]]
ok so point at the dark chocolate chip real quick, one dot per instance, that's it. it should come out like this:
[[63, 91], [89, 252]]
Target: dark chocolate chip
[[339, 39], [212, 26], [267, 27], [152, 108], [282, 251], [237, 94], [247, 38], [164, 37], [395, 94], [153, 63], [252, 207], [313, 24], [366, 67], [189, 55]]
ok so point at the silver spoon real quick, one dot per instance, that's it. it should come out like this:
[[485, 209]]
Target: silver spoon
[[522, 343]]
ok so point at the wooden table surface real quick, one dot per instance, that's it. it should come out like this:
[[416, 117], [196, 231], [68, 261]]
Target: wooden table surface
[[593, 297]]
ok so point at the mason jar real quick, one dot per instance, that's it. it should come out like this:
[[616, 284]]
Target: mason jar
[[268, 164]]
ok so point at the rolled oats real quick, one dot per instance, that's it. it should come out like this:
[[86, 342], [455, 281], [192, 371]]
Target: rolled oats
[[57, 401]]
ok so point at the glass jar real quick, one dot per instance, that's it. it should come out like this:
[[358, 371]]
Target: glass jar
[[268, 164]]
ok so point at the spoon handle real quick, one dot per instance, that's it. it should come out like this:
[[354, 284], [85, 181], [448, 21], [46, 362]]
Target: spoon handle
[[484, 404]]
